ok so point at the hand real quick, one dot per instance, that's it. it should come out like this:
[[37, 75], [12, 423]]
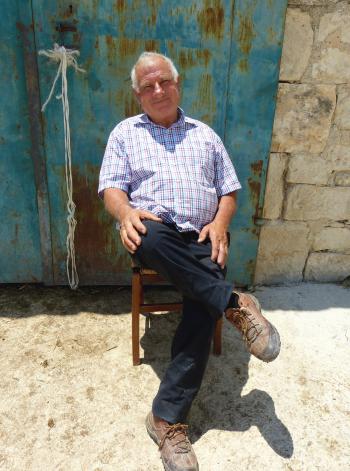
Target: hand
[[217, 234], [131, 226]]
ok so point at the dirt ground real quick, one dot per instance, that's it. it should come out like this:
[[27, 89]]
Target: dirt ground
[[70, 399]]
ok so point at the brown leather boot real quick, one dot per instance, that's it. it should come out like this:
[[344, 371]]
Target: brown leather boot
[[261, 337], [175, 448]]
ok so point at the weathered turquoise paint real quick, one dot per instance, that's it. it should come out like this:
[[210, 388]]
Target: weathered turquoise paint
[[255, 55], [20, 254], [228, 55]]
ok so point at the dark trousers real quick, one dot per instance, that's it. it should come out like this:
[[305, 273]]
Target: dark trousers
[[181, 260]]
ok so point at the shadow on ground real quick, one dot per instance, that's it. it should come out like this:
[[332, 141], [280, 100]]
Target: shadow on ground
[[220, 404], [33, 300]]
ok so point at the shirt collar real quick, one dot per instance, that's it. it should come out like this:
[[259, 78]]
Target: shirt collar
[[144, 119]]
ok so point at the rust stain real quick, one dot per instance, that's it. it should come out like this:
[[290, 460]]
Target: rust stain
[[131, 106], [120, 5], [76, 39], [250, 266], [246, 34], [272, 35], [186, 59], [152, 19], [204, 54], [96, 240], [127, 47], [111, 49], [68, 12], [257, 167], [243, 65], [154, 5], [151, 45], [205, 95], [193, 57], [254, 188], [255, 231], [211, 19]]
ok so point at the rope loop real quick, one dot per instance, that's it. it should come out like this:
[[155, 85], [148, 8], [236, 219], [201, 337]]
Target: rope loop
[[66, 58]]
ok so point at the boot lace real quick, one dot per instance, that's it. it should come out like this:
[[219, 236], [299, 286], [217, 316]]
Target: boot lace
[[244, 320], [177, 431]]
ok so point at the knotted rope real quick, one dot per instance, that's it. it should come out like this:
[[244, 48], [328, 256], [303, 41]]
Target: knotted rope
[[65, 58]]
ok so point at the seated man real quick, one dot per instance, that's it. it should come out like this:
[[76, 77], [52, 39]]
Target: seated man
[[169, 182]]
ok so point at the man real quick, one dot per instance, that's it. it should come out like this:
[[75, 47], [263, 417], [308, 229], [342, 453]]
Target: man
[[169, 182]]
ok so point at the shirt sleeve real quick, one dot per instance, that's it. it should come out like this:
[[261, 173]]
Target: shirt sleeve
[[115, 170], [225, 180]]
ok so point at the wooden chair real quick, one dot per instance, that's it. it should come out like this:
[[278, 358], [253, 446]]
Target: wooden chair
[[141, 276]]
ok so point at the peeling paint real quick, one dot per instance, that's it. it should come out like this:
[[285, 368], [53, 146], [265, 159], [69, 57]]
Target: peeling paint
[[246, 34], [205, 96], [131, 106], [254, 189], [120, 5], [257, 167], [211, 19], [111, 49], [127, 47], [96, 241]]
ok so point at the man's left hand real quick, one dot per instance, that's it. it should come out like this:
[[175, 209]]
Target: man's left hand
[[217, 234]]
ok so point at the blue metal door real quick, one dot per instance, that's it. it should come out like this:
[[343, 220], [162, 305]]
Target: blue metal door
[[228, 55]]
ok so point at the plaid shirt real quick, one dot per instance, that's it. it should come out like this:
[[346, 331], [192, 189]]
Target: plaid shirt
[[177, 173]]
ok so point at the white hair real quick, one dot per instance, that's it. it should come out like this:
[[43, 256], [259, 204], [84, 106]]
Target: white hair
[[147, 56]]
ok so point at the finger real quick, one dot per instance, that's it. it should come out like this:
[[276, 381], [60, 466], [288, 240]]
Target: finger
[[222, 256], [136, 223], [127, 243], [214, 249], [131, 233], [148, 215], [203, 234]]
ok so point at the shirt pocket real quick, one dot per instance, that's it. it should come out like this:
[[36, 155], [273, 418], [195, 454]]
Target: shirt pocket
[[204, 165]]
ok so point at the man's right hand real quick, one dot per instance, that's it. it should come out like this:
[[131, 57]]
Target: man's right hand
[[131, 227]]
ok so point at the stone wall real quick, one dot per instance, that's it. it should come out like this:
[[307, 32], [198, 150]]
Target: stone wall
[[306, 218]]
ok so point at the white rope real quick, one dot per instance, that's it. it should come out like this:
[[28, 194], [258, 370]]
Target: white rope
[[65, 58]]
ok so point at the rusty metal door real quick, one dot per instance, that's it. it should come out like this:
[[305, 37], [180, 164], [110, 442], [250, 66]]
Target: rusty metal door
[[228, 55], [20, 242]]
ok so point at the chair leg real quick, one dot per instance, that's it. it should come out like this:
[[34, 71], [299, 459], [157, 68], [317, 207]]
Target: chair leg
[[135, 317], [217, 337]]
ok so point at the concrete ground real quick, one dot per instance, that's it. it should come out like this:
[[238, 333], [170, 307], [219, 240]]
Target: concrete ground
[[70, 400]]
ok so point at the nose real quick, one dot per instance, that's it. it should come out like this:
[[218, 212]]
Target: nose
[[158, 88]]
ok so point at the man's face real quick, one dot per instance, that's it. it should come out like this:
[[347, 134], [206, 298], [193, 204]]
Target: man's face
[[158, 92]]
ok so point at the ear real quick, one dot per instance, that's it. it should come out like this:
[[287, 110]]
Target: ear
[[136, 95], [179, 82]]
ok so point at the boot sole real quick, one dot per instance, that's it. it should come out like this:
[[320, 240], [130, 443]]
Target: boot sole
[[274, 334], [150, 430]]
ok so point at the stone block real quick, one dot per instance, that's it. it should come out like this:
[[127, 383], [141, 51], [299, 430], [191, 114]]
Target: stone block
[[306, 168], [339, 157], [283, 249], [327, 267], [333, 66], [342, 112], [334, 27], [274, 193], [342, 178], [312, 2], [297, 45], [311, 202], [303, 117], [333, 239]]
